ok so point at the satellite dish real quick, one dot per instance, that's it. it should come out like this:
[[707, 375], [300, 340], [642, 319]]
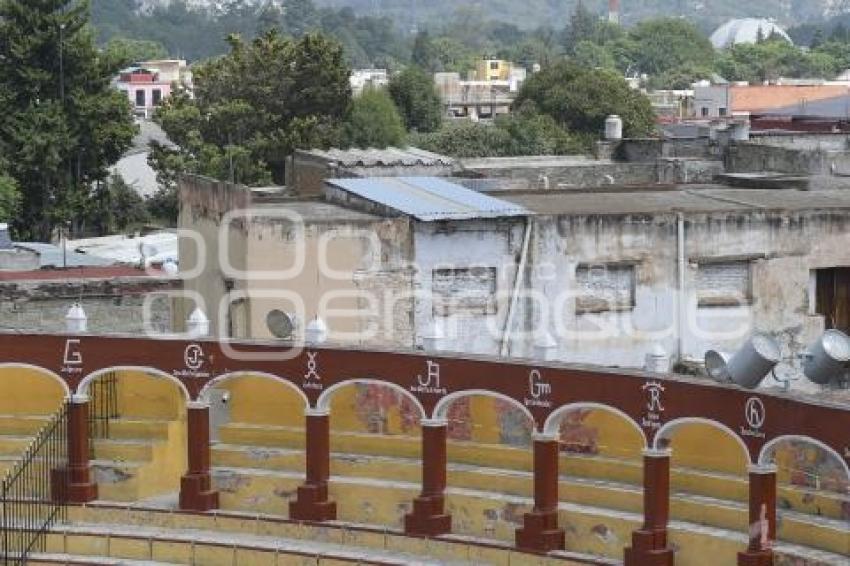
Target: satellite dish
[[280, 324]]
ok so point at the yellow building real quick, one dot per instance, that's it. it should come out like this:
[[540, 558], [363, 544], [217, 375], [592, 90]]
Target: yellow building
[[493, 70]]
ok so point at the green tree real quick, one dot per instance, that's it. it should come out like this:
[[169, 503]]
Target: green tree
[[61, 123], [466, 139], [126, 208], [10, 198], [416, 97], [775, 58], [374, 121], [525, 132], [579, 99], [666, 44], [452, 55], [253, 107], [300, 17], [424, 55], [134, 50], [593, 55], [582, 27]]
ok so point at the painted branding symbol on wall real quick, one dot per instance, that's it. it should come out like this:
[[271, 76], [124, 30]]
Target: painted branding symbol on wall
[[653, 391], [72, 358], [312, 379], [755, 415], [194, 359], [539, 390], [429, 382]]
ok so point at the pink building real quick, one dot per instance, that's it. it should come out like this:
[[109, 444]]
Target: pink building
[[149, 83]]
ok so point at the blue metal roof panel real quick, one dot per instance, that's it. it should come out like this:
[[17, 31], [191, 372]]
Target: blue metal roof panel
[[429, 198]]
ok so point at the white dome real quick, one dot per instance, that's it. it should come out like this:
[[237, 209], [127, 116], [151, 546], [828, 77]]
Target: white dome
[[745, 30]]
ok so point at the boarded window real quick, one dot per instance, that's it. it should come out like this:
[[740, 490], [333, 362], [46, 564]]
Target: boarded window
[[470, 291], [605, 287], [833, 297], [724, 283]]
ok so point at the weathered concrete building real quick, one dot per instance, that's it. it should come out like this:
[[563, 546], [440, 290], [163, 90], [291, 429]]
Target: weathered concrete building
[[601, 276]]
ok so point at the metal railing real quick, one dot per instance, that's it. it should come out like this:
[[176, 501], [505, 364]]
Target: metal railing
[[30, 502], [103, 406]]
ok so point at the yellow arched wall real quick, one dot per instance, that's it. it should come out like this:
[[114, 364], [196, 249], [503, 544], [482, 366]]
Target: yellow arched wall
[[148, 396], [704, 447], [600, 432], [262, 401], [28, 391], [374, 409]]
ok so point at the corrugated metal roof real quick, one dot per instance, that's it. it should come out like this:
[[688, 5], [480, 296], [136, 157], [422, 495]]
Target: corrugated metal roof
[[389, 157], [429, 198]]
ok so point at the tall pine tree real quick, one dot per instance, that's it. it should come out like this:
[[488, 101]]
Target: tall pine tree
[[61, 123]]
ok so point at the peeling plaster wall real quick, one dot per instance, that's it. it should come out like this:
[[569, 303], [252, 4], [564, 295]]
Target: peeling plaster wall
[[487, 244], [203, 205], [782, 249]]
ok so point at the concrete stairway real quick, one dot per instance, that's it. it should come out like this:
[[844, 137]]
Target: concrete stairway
[[140, 459], [16, 434]]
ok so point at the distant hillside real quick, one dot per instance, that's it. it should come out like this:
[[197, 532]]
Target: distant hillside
[[532, 13]]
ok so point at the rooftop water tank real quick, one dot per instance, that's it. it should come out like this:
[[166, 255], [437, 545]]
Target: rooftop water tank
[[613, 128]]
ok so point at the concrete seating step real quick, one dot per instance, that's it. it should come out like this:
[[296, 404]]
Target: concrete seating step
[[74, 560], [27, 425], [191, 546], [139, 429], [450, 549], [136, 450]]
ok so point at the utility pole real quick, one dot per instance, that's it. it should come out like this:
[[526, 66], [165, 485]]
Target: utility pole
[[62, 63]]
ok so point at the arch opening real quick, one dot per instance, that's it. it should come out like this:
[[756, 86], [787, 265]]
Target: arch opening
[[689, 437], [139, 432], [374, 433], [83, 387], [324, 402], [805, 463], [30, 389], [609, 442], [221, 380], [258, 440], [488, 450]]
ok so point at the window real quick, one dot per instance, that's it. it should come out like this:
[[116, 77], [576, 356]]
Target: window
[[157, 96], [605, 287], [140, 98], [704, 111], [722, 111], [470, 291], [832, 297], [494, 65], [724, 283]]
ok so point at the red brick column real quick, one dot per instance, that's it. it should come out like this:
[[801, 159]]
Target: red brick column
[[429, 517], [762, 517], [196, 493], [540, 530], [73, 484], [649, 543], [311, 503]]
